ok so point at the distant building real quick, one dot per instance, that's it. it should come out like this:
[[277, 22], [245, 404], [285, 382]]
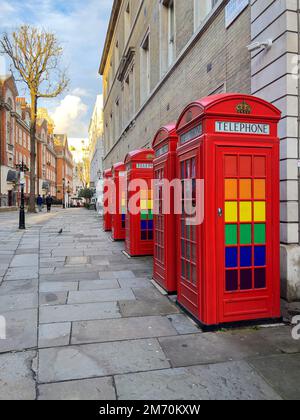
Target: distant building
[[96, 149], [64, 168], [51, 161]]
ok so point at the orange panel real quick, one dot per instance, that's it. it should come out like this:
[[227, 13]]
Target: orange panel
[[259, 189], [245, 189], [231, 189]]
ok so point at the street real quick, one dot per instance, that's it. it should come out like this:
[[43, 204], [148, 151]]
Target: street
[[85, 322]]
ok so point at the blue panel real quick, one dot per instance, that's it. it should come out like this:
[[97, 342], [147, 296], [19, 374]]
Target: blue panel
[[259, 256], [231, 257], [150, 235], [144, 225], [246, 256], [150, 224], [123, 217]]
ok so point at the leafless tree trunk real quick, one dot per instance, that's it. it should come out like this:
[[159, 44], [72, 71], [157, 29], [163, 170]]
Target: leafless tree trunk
[[35, 55]]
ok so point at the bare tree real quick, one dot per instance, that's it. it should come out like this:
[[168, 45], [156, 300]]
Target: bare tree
[[36, 56]]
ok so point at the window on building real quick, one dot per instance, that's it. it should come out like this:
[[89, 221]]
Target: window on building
[[132, 92], [145, 68], [201, 9], [167, 35], [127, 23], [117, 57]]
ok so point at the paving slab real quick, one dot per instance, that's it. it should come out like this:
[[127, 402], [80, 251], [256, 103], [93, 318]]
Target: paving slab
[[144, 308], [56, 286], [19, 273], [135, 283], [282, 373], [18, 287], [12, 302], [25, 260], [121, 329], [53, 298], [95, 360], [80, 312], [77, 260], [120, 274], [98, 285], [109, 295], [70, 277], [100, 389], [188, 350], [183, 325], [281, 337], [16, 378], [53, 335], [21, 330], [223, 381]]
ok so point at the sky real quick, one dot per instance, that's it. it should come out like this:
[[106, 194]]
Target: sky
[[81, 27]]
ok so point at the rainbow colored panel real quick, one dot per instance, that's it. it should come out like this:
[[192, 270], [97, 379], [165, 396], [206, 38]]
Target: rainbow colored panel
[[245, 223], [146, 215]]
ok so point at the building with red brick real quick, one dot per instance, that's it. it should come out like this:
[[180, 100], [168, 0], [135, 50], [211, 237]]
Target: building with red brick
[[64, 168]]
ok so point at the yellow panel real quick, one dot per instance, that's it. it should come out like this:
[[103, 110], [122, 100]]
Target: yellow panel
[[123, 202], [245, 189], [260, 211], [246, 211], [150, 204], [231, 189], [144, 205], [231, 211]]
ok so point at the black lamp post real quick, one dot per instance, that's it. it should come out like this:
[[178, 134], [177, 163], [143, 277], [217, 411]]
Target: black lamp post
[[22, 169]]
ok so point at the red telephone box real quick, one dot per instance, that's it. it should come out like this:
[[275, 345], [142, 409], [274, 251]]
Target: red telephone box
[[139, 223], [119, 218], [164, 267], [228, 266], [107, 217]]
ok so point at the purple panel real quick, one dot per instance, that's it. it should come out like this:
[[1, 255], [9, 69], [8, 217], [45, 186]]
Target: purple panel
[[231, 280], [246, 279], [260, 281]]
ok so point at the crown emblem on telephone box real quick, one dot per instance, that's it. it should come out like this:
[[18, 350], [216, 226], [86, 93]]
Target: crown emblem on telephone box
[[243, 108]]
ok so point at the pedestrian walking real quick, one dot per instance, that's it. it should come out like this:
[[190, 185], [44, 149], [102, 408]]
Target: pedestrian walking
[[39, 202], [49, 202]]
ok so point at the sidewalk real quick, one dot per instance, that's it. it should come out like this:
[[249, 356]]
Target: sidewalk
[[85, 322]]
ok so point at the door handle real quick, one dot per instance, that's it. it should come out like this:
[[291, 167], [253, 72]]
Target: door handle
[[220, 212]]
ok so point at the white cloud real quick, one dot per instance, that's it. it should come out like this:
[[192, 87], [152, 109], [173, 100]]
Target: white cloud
[[69, 116], [81, 29]]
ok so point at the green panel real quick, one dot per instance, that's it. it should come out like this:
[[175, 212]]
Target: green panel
[[245, 234], [259, 233], [144, 216], [231, 234]]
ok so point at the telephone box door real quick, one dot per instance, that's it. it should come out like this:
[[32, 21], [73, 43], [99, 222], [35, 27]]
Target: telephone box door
[[248, 279]]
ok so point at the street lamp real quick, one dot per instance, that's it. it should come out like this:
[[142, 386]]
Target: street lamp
[[22, 170]]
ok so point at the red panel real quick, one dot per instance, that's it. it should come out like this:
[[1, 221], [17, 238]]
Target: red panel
[[139, 227], [235, 276], [118, 219], [107, 217], [164, 268]]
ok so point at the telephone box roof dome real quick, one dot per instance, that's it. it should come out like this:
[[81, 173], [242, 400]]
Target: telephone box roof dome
[[146, 154], [107, 173], [229, 104], [169, 130], [117, 166]]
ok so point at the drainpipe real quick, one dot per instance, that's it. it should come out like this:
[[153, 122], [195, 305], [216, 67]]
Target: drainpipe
[[298, 134]]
